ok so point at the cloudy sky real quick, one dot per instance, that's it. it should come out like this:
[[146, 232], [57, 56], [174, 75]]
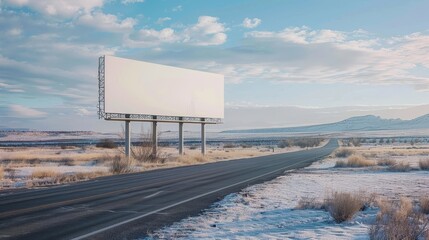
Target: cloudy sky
[[367, 55]]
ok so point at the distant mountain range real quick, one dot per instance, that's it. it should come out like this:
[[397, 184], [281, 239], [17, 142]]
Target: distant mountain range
[[361, 123], [7, 129]]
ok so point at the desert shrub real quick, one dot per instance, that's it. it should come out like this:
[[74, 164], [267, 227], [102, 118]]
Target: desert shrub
[[193, 147], [343, 153], [66, 162], [11, 173], [106, 143], [66, 147], [44, 174], [386, 162], [246, 146], [400, 167], [355, 161], [1, 172], [310, 203], [398, 220], [283, 144], [424, 164], [343, 206], [191, 159], [300, 142], [340, 163], [355, 142], [424, 205], [80, 176], [143, 152], [229, 145], [121, 164]]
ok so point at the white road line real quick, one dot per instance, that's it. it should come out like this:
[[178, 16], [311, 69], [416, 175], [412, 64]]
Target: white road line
[[153, 195], [178, 203]]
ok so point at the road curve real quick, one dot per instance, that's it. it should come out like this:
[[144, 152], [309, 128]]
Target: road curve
[[131, 205]]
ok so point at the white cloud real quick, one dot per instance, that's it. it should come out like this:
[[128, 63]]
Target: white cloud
[[207, 31], [83, 112], [301, 54], [177, 8], [327, 35], [131, 1], [107, 22], [251, 23], [152, 37], [294, 35], [25, 112], [161, 21], [61, 8]]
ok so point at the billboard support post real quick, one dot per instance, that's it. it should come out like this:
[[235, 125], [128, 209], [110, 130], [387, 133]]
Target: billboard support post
[[203, 136], [154, 137], [127, 137], [181, 137]]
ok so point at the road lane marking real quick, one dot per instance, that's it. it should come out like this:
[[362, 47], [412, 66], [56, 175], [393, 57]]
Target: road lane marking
[[153, 195], [178, 203]]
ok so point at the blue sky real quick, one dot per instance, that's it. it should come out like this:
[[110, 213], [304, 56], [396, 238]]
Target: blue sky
[[273, 53]]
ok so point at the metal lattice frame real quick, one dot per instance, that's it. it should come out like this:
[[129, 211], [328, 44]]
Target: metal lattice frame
[[101, 88], [138, 117]]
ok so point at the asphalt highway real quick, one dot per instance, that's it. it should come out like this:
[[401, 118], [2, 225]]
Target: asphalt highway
[[131, 205]]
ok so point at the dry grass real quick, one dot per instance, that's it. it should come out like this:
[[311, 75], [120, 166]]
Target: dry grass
[[44, 173], [386, 162], [400, 167], [398, 220], [80, 176], [24, 157], [343, 206], [192, 159], [106, 143], [424, 164], [344, 152], [66, 178], [424, 205], [309, 203], [1, 172], [355, 161], [121, 164]]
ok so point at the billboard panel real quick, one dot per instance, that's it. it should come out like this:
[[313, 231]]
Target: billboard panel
[[136, 87]]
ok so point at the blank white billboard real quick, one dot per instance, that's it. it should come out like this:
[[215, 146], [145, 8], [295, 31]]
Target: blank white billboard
[[136, 87]]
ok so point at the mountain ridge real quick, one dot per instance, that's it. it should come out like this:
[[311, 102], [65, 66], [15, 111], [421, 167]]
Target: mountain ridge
[[358, 123]]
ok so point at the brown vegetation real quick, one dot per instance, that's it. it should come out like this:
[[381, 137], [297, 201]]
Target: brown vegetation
[[300, 142], [192, 159], [398, 220], [355, 161], [424, 164], [106, 143], [386, 162], [343, 152], [310, 203], [65, 178], [400, 167], [424, 205], [121, 164], [343, 206], [44, 173]]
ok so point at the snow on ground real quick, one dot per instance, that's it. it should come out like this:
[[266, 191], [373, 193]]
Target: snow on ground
[[268, 210]]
